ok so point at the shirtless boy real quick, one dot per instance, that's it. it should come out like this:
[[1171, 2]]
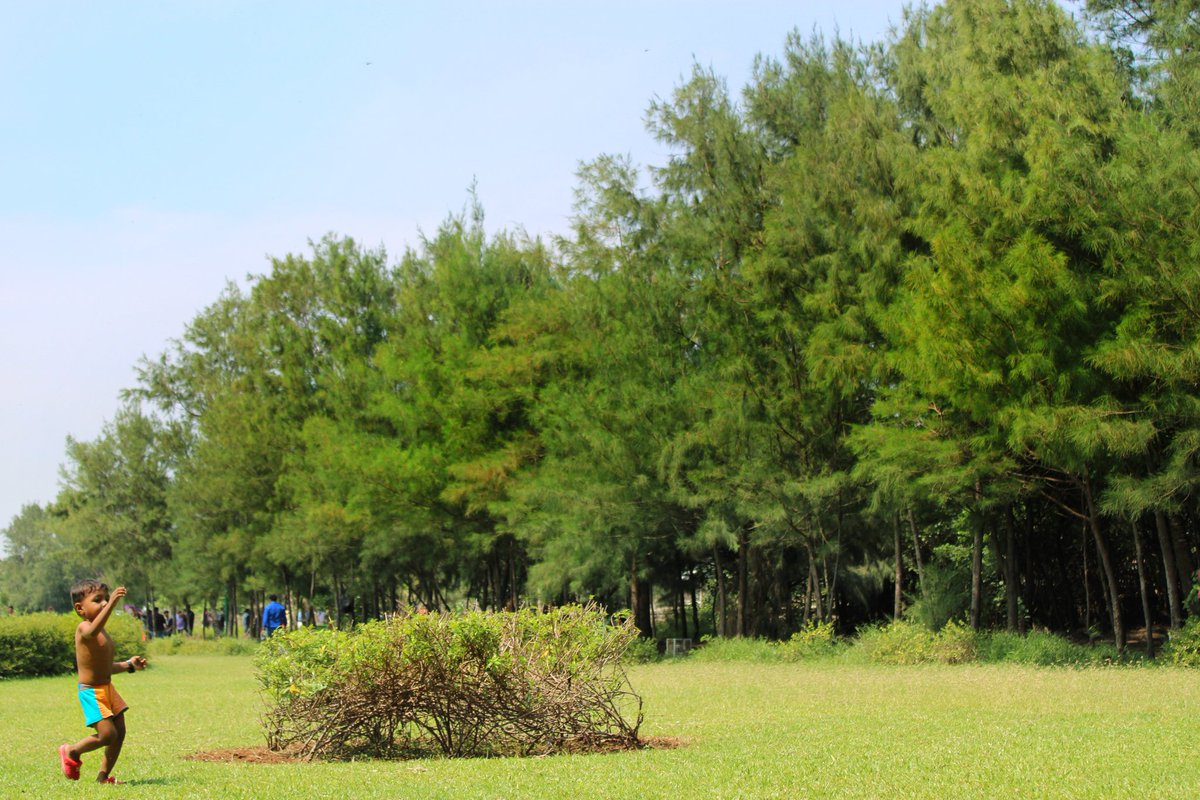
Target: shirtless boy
[[103, 708]]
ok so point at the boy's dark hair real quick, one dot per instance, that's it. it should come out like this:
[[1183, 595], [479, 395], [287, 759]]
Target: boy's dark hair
[[273, 597], [83, 588]]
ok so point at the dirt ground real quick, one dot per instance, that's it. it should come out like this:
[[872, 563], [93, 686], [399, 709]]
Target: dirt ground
[[261, 755]]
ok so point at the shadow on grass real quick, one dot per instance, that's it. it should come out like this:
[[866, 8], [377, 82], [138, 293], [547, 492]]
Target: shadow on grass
[[154, 781]]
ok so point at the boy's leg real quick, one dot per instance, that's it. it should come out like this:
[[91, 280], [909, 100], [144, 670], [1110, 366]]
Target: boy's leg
[[112, 750], [106, 734]]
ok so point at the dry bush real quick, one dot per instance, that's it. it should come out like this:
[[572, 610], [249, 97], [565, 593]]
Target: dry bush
[[478, 684]]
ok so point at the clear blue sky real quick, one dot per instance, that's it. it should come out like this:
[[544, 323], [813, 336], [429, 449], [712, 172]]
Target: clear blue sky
[[152, 151]]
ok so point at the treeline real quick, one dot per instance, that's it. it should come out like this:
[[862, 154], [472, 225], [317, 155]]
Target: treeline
[[911, 327]]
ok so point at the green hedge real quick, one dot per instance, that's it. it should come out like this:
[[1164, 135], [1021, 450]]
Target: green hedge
[[44, 644]]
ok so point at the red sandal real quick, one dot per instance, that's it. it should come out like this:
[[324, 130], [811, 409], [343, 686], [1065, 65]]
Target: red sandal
[[70, 767]]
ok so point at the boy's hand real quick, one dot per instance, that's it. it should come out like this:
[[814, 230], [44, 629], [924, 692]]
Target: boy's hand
[[117, 594], [137, 662]]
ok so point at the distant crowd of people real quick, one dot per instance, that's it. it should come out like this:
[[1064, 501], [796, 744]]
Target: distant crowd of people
[[161, 622], [275, 615]]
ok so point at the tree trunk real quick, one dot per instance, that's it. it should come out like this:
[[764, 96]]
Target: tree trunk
[[977, 559], [721, 622], [808, 593], [648, 600], [831, 581], [289, 601], [681, 612], [639, 600], [1183, 555], [917, 560], [898, 594], [1010, 569], [513, 599], [338, 601], [1170, 570], [257, 601], [695, 606], [783, 597], [1104, 589], [743, 579], [1027, 583], [1137, 547], [1110, 575], [814, 578], [1087, 587]]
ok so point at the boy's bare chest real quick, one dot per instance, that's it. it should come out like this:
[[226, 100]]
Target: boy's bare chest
[[97, 649]]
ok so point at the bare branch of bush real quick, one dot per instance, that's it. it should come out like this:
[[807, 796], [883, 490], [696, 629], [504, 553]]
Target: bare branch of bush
[[479, 684]]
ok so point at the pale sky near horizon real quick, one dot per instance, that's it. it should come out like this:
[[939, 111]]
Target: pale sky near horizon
[[153, 151]]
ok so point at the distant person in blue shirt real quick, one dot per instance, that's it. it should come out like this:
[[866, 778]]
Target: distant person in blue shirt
[[274, 616]]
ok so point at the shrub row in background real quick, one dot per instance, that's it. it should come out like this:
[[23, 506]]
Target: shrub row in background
[[44, 644], [193, 646], [474, 684], [907, 642], [816, 640]]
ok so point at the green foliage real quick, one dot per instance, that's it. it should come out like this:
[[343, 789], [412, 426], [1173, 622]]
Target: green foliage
[[41, 562], [115, 498], [642, 651], [738, 649], [815, 640], [1183, 648], [956, 644], [910, 643], [899, 642], [1041, 648], [948, 278], [474, 684], [125, 630], [192, 646], [945, 595], [44, 643], [300, 663], [36, 644], [904, 642]]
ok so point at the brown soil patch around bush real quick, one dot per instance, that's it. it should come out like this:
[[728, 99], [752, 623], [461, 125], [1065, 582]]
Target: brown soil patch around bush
[[663, 742], [248, 755], [261, 755]]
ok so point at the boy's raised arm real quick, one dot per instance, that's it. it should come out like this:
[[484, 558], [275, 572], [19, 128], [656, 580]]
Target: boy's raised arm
[[89, 629]]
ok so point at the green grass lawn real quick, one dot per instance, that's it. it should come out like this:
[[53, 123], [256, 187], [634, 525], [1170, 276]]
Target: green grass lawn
[[751, 730]]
